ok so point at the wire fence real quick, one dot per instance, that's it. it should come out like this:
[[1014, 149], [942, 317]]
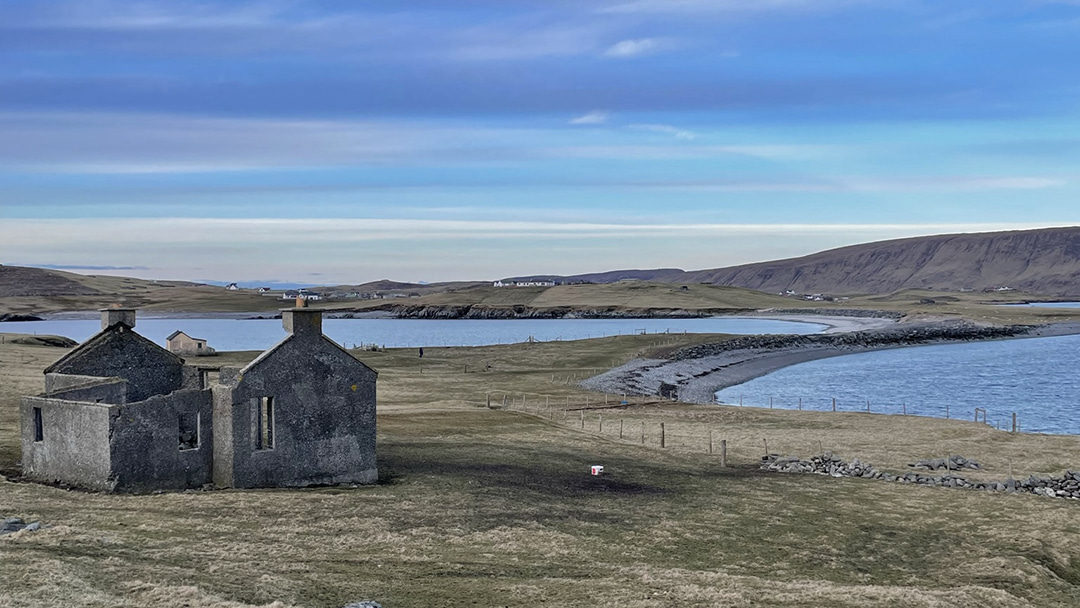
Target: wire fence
[[611, 416], [1002, 419]]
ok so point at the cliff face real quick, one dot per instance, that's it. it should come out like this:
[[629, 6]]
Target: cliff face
[[1039, 261]]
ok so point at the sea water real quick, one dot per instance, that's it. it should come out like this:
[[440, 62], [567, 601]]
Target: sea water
[[259, 334], [1038, 378]]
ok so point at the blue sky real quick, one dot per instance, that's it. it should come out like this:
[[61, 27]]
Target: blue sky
[[349, 141]]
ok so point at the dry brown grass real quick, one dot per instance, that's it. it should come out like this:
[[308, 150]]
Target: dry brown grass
[[480, 507]]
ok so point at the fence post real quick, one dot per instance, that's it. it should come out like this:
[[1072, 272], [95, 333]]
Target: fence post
[[766, 445], [583, 419], [663, 438], [1014, 422], [834, 404], [770, 402], [710, 441], [642, 432], [904, 405], [946, 411], [867, 406], [800, 404], [723, 452], [489, 400], [600, 418], [620, 427]]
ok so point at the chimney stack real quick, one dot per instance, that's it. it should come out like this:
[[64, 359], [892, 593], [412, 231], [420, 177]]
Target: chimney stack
[[117, 316], [302, 321]]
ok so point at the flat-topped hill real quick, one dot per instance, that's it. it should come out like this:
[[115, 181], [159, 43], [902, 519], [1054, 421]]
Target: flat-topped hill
[[1044, 262]]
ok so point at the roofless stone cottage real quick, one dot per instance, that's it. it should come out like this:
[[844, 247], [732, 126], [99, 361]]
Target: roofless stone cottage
[[121, 413]]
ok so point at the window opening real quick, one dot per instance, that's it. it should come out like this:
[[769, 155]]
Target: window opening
[[39, 429], [264, 431], [189, 431]]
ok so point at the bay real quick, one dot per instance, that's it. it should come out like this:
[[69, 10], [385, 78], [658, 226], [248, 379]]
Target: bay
[[259, 334], [1036, 378]]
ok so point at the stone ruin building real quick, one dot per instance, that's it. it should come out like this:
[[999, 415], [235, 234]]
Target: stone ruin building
[[120, 413]]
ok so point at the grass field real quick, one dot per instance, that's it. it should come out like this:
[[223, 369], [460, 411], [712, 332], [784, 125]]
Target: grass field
[[489, 507]]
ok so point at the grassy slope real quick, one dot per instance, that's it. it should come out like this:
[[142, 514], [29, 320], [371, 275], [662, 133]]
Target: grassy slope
[[174, 296], [495, 508]]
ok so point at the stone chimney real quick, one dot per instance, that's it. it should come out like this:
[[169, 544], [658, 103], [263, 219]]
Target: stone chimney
[[302, 322], [117, 316]]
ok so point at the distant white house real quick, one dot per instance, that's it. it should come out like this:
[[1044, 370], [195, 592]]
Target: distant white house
[[232, 287]]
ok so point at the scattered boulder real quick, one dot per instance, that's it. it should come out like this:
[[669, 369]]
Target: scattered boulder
[[669, 391], [10, 525], [364, 604]]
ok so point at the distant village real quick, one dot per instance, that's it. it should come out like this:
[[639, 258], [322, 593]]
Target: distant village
[[316, 295]]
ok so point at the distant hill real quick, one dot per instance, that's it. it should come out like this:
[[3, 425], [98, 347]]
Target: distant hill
[[1044, 262], [19, 281], [386, 285]]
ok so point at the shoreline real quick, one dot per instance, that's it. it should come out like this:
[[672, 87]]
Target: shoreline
[[696, 379]]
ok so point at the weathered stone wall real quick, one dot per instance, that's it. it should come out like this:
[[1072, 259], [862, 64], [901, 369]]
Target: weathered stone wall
[[75, 445], [120, 352], [112, 391], [145, 443], [1066, 486], [223, 435], [324, 412], [58, 382]]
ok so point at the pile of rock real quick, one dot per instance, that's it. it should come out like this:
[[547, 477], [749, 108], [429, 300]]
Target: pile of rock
[[1066, 486], [826, 464], [11, 525]]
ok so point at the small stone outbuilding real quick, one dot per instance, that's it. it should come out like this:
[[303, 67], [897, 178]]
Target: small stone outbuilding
[[120, 413]]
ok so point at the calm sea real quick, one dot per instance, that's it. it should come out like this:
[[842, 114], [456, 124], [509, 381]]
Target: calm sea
[[1038, 378], [1047, 305], [258, 334]]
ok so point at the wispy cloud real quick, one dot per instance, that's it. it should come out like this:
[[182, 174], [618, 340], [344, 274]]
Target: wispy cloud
[[108, 143], [725, 6], [595, 117], [632, 48], [88, 267], [863, 184], [668, 129]]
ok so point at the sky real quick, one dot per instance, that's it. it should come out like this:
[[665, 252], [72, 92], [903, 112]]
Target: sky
[[344, 141]]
